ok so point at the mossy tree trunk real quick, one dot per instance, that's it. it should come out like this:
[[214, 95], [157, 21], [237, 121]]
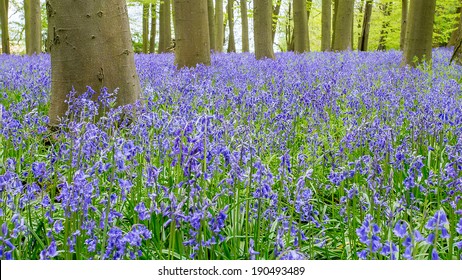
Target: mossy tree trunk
[[91, 46], [404, 12], [4, 24]]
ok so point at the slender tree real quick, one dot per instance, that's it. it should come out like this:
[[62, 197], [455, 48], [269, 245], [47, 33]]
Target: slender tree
[[145, 27], [33, 26], [404, 11], [343, 25], [191, 33], [300, 26], [152, 38], [91, 46], [289, 30], [231, 41], [165, 27], [262, 10], [309, 5], [211, 20], [275, 16], [245, 26], [326, 24], [219, 29], [419, 32], [364, 38], [4, 26]]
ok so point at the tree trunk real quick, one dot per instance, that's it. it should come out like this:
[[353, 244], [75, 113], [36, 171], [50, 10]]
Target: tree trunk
[[219, 25], [275, 16], [33, 26], [309, 5], [289, 30], [386, 10], [165, 27], [191, 33], [231, 41], [419, 31], [145, 28], [245, 26], [91, 47], [455, 35], [364, 39], [343, 25], [300, 26], [152, 39], [334, 20], [211, 20], [404, 11], [4, 24], [326, 25], [262, 10]]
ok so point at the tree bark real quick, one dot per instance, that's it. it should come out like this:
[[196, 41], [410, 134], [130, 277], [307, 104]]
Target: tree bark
[[152, 39], [219, 29], [165, 27], [404, 11], [300, 26], [455, 35], [191, 33], [33, 26], [145, 28], [419, 32], [245, 26], [326, 24], [343, 25], [4, 24], [364, 39], [386, 10], [262, 29], [309, 5], [91, 46], [289, 30], [231, 41], [275, 18], [211, 20], [334, 20]]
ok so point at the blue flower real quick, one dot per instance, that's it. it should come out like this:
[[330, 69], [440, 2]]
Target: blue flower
[[400, 229]]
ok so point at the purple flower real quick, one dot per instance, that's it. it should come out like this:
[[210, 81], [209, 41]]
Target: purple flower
[[293, 255], [435, 255], [400, 229]]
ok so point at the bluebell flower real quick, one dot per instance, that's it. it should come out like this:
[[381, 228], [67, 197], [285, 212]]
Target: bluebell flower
[[435, 255], [293, 255], [400, 229]]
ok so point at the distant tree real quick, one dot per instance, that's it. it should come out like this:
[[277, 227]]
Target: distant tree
[[275, 17], [326, 23], [165, 27], [364, 38], [231, 40], [219, 29], [4, 24], [300, 26], [152, 38], [33, 26], [343, 25], [191, 33], [419, 31], [91, 46], [245, 26], [262, 16], [211, 20], [145, 27], [404, 11]]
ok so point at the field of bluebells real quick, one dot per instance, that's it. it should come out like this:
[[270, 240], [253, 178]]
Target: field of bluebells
[[313, 156]]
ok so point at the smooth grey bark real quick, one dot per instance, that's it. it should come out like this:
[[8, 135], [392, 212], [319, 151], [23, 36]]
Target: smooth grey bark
[[419, 32], [326, 26], [165, 27], [191, 33], [33, 26], [262, 10], [245, 26], [343, 25], [90, 46], [300, 26]]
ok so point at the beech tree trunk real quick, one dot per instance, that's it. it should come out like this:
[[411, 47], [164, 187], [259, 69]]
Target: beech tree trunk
[[364, 38], [165, 27], [4, 24], [456, 34], [343, 25], [152, 39], [334, 20], [419, 32], [326, 24], [274, 25], [289, 30], [145, 28], [262, 15], [404, 11], [300, 26], [231, 41], [91, 46], [219, 26], [211, 20], [33, 26], [245, 26], [191, 33]]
